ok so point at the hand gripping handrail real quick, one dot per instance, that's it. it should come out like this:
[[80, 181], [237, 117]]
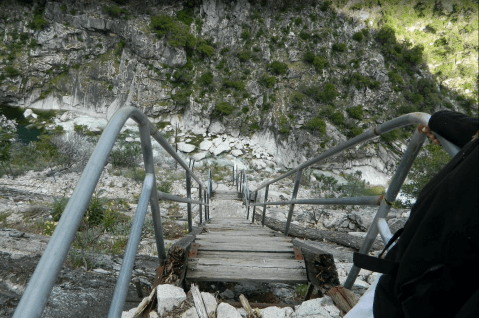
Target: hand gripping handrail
[[384, 202], [41, 283]]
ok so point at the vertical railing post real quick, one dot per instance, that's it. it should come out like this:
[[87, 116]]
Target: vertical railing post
[[209, 191], [234, 168], [205, 195], [201, 206], [154, 202], [397, 180], [293, 197], [265, 200], [188, 195], [254, 208]]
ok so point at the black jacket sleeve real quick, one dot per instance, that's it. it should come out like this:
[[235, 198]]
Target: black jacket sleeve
[[455, 127]]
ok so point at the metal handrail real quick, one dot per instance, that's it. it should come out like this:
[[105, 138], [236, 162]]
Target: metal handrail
[[384, 201], [43, 279]]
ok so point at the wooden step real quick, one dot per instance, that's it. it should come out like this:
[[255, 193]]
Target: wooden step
[[270, 271], [252, 256]]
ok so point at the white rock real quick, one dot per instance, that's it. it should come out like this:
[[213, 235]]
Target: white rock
[[27, 113], [190, 313], [223, 147], [35, 116], [129, 139], [217, 141], [101, 271], [128, 314], [310, 308], [216, 127], [206, 145], [184, 147], [258, 164], [199, 156], [210, 303], [169, 297], [236, 152], [64, 117], [227, 311], [276, 312]]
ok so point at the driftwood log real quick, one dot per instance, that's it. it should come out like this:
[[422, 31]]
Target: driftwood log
[[340, 238]]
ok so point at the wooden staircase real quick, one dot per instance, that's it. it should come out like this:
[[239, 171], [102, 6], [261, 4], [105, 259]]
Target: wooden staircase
[[234, 250]]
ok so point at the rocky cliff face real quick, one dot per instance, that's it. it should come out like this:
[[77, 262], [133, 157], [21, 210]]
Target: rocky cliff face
[[295, 78]]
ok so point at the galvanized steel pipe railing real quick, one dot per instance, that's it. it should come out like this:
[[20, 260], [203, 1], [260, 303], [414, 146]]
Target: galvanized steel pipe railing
[[384, 202], [41, 283]]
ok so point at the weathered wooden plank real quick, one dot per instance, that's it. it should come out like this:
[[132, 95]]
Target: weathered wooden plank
[[237, 262], [241, 239], [271, 248], [239, 274], [252, 256], [198, 300]]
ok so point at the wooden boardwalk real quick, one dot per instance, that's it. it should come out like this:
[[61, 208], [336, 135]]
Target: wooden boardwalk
[[234, 250]]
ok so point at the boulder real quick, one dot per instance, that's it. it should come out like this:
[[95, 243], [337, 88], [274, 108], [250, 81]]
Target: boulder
[[27, 113], [236, 152], [216, 127], [200, 155], [227, 311], [223, 147], [323, 307], [190, 313], [206, 145], [184, 147], [169, 297], [276, 312]]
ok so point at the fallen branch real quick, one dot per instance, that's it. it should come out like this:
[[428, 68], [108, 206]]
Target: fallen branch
[[340, 238]]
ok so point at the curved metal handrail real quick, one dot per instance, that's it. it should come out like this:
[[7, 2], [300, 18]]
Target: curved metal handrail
[[384, 201], [43, 279]]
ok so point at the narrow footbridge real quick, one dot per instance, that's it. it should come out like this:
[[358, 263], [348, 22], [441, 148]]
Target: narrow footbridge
[[229, 250], [235, 250]]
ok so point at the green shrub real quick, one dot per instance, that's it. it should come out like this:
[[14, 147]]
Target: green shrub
[[224, 50], [115, 11], [223, 109], [267, 81], [406, 109], [245, 109], [239, 85], [325, 6], [245, 35], [361, 81], [38, 21], [356, 131], [337, 118], [320, 63], [298, 21], [355, 112], [386, 35], [339, 47], [206, 78], [164, 186], [358, 36], [283, 124], [126, 155], [297, 100], [316, 124], [308, 57], [278, 68], [185, 16], [329, 92], [205, 50], [10, 71], [182, 96], [179, 34], [57, 208], [304, 35], [244, 56]]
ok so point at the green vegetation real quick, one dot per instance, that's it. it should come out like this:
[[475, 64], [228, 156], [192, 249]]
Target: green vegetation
[[316, 124], [358, 36], [206, 79], [267, 81], [278, 68], [283, 124], [355, 112], [339, 47], [222, 109], [361, 81], [337, 118], [325, 95], [115, 11], [38, 21], [10, 71], [426, 166]]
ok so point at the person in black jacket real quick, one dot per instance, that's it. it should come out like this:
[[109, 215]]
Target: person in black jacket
[[437, 252]]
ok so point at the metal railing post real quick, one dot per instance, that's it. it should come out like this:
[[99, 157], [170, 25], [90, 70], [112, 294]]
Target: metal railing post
[[200, 207], [121, 288], [293, 197], [265, 200], [209, 191], [234, 168], [255, 196], [154, 203], [397, 180], [188, 195]]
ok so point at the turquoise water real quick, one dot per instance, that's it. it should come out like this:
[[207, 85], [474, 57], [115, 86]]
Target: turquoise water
[[25, 135]]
